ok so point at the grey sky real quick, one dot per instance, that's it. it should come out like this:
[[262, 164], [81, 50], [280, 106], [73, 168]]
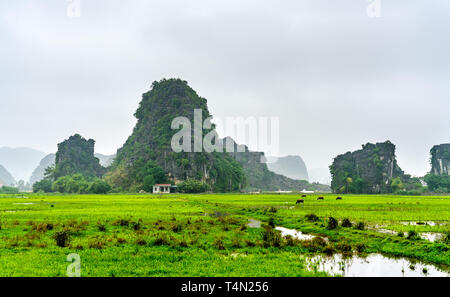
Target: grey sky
[[334, 76]]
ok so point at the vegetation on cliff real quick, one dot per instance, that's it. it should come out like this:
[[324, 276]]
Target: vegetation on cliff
[[373, 169], [147, 156]]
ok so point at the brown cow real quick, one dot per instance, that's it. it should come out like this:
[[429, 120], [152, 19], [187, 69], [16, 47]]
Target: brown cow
[[320, 198], [300, 201], [303, 196]]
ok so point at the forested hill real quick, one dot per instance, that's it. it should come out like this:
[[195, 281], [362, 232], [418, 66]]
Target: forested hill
[[147, 156], [147, 153], [369, 170]]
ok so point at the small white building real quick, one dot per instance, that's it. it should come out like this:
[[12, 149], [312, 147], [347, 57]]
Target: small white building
[[162, 188]]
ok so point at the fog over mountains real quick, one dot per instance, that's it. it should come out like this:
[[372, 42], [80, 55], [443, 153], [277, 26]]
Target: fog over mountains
[[20, 162]]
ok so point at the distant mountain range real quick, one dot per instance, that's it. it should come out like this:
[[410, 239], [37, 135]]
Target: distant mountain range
[[6, 179], [20, 162], [291, 166]]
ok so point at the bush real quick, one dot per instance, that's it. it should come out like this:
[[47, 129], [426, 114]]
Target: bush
[[332, 223], [312, 217], [218, 243], [61, 238], [271, 237], [412, 235], [360, 226], [192, 186], [346, 223]]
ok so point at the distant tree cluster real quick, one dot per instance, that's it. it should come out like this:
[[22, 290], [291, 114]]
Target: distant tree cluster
[[9, 190], [192, 186], [438, 183], [76, 184]]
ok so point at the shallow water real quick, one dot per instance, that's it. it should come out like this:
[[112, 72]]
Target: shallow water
[[433, 237], [24, 203], [374, 265], [294, 233], [254, 223]]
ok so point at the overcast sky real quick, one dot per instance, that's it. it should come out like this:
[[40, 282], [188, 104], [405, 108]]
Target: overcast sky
[[335, 77]]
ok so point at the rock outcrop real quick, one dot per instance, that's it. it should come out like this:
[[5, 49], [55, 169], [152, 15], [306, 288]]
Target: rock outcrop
[[76, 156], [291, 166], [440, 159], [369, 170]]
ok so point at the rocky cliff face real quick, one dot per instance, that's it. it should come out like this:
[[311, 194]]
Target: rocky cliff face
[[39, 172], [291, 166], [150, 144], [259, 177], [76, 156], [368, 170], [440, 159]]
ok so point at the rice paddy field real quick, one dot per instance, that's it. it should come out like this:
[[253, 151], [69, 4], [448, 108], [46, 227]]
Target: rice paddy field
[[252, 235]]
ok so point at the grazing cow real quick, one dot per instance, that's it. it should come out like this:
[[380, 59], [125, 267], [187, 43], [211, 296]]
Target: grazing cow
[[303, 196], [320, 198], [339, 198], [300, 201]]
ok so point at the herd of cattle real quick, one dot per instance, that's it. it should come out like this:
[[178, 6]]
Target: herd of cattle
[[318, 198]]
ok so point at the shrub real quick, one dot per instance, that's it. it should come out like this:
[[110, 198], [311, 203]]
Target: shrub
[[236, 243], [61, 238], [218, 243], [96, 244], [272, 209], [136, 225], [412, 235], [360, 226], [141, 241], [312, 217], [176, 228], [317, 244], [344, 247], [346, 223], [332, 223], [272, 222], [271, 237], [101, 227], [360, 247]]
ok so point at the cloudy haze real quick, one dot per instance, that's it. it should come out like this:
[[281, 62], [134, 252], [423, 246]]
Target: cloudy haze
[[335, 77]]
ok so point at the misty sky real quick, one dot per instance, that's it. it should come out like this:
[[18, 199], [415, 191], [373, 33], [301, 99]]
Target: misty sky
[[335, 77]]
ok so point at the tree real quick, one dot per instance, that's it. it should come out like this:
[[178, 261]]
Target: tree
[[44, 185], [192, 186], [397, 184]]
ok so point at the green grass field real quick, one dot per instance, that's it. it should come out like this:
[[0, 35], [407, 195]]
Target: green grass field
[[207, 234]]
